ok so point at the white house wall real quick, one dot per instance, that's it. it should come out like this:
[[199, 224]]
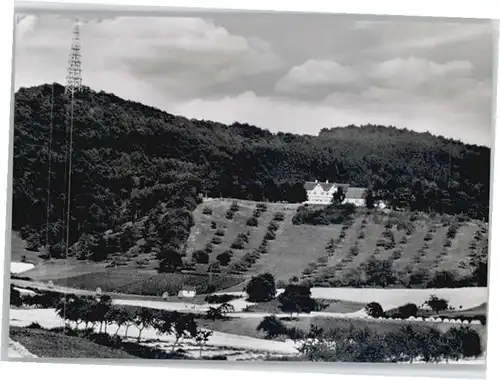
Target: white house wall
[[356, 201], [320, 196]]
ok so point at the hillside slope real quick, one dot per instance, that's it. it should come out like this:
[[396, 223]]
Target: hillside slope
[[417, 245], [131, 161]]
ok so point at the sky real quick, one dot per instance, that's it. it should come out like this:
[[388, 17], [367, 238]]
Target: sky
[[283, 72]]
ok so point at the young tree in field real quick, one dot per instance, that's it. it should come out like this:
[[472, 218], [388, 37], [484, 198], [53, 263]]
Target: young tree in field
[[296, 299], [143, 318], [180, 325], [202, 337], [220, 312], [121, 317], [373, 309], [127, 320], [102, 310], [261, 288], [437, 304]]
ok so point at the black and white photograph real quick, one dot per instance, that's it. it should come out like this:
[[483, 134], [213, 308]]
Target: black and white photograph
[[251, 186]]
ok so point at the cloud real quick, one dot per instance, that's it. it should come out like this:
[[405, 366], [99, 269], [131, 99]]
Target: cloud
[[24, 25], [264, 70], [185, 56], [316, 73], [413, 72], [409, 73]]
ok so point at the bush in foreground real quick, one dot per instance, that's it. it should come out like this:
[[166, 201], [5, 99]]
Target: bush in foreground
[[363, 344]]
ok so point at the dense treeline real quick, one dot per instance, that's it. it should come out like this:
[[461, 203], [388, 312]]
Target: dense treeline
[[138, 172]]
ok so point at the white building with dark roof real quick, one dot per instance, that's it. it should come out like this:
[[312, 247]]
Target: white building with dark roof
[[321, 193]]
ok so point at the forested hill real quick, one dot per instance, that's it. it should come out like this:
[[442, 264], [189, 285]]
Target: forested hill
[[131, 161]]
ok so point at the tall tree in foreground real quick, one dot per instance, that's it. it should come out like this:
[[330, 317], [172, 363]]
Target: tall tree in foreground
[[296, 299], [261, 288]]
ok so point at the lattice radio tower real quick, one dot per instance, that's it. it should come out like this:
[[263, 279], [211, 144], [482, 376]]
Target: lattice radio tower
[[74, 77], [73, 85]]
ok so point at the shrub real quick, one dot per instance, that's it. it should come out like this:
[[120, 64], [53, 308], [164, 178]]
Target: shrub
[[252, 222], [221, 298], [213, 225], [270, 235], [354, 251], [406, 311], [256, 214], [224, 258], [250, 258], [234, 207], [216, 240], [452, 231], [279, 216], [244, 236], [464, 341], [240, 241], [388, 234], [207, 211], [209, 247], [261, 288], [273, 226], [237, 244], [272, 326], [262, 247], [437, 304], [390, 244], [373, 309], [396, 255], [428, 236], [201, 257], [261, 207], [323, 260], [220, 232], [229, 215], [308, 271]]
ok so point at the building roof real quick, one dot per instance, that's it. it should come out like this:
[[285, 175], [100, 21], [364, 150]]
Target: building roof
[[326, 186], [310, 185], [356, 192]]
